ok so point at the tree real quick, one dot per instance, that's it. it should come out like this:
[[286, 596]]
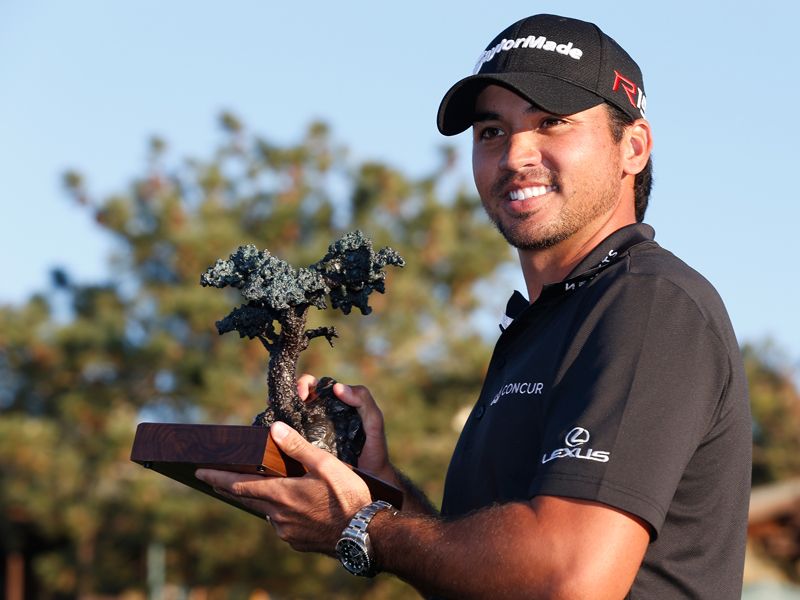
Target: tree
[[276, 292], [775, 403]]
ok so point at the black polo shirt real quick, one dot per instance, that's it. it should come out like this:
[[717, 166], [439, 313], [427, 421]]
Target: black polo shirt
[[624, 385]]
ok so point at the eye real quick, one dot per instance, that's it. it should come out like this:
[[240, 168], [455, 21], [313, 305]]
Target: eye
[[552, 121], [548, 122], [489, 132]]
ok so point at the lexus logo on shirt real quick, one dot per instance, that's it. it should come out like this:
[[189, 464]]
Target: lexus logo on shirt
[[574, 441], [576, 437]]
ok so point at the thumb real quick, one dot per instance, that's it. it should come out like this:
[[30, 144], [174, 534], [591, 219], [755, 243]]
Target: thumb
[[296, 446]]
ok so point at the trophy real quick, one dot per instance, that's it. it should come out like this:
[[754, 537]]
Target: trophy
[[277, 300]]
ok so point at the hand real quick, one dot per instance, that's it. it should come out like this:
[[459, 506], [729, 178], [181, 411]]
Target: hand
[[374, 457], [308, 512]]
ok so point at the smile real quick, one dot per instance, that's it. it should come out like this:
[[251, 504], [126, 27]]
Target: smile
[[530, 192]]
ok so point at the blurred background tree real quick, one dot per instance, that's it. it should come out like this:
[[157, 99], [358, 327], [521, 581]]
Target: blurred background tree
[[775, 402], [774, 532], [81, 365]]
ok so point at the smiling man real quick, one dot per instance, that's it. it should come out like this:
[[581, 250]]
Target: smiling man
[[608, 455]]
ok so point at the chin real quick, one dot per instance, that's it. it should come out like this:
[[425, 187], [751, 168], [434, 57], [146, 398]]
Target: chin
[[523, 239]]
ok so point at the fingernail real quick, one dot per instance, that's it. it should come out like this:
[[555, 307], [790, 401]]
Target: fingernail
[[279, 430]]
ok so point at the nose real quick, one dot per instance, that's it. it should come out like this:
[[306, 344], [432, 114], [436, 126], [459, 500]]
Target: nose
[[521, 152]]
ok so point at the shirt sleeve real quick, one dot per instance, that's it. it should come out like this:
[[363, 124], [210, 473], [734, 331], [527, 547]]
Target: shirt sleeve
[[638, 388]]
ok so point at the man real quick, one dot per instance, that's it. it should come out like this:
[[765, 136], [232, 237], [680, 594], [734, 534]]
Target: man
[[608, 455]]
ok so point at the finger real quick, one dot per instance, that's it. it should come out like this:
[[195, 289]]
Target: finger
[[304, 384], [374, 456], [253, 491], [297, 447], [356, 396], [225, 480], [361, 399], [260, 507], [234, 491]]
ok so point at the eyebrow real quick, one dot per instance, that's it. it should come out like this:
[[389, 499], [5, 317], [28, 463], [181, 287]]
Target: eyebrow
[[485, 116], [480, 117]]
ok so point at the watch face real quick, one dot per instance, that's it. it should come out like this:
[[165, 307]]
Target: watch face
[[353, 556]]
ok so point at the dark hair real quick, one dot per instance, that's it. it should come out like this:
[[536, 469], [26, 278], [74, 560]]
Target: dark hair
[[643, 182]]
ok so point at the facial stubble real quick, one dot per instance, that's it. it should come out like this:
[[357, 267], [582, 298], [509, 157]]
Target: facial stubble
[[577, 211]]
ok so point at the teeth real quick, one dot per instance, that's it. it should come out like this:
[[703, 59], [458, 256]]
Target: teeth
[[530, 192]]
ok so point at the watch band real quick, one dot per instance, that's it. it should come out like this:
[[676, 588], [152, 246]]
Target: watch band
[[361, 519], [354, 548]]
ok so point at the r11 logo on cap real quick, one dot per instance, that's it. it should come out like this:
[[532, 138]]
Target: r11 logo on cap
[[635, 94]]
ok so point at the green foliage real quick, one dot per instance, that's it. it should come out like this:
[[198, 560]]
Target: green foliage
[[775, 403], [267, 280], [352, 270], [347, 274], [143, 346]]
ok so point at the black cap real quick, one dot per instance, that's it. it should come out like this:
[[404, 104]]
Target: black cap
[[560, 64]]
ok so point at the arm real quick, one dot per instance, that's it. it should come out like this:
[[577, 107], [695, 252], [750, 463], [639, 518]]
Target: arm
[[549, 547]]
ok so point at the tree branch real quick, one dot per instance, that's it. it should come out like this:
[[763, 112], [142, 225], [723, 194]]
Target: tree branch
[[327, 332], [266, 343]]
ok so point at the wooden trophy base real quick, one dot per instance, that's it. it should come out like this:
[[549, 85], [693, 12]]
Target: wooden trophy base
[[178, 450]]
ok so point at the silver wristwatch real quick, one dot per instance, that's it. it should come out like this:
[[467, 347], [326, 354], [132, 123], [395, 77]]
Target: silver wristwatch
[[354, 548]]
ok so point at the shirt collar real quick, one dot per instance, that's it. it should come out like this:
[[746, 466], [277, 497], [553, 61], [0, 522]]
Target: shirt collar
[[611, 248], [603, 255]]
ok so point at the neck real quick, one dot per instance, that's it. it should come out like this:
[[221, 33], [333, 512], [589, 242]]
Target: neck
[[551, 265]]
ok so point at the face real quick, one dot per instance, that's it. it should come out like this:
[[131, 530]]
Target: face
[[543, 178]]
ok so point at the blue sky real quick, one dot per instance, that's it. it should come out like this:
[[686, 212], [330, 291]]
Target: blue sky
[[84, 84]]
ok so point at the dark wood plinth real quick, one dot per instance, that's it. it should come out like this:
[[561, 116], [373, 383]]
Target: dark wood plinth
[[178, 450]]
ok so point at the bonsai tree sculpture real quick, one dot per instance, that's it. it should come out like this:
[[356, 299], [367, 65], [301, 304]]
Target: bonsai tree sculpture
[[275, 292]]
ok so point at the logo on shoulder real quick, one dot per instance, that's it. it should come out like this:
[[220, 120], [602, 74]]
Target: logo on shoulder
[[575, 442]]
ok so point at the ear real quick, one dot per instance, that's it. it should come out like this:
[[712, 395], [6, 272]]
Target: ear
[[637, 144]]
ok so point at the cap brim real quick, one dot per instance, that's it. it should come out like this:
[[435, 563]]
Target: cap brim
[[457, 110]]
